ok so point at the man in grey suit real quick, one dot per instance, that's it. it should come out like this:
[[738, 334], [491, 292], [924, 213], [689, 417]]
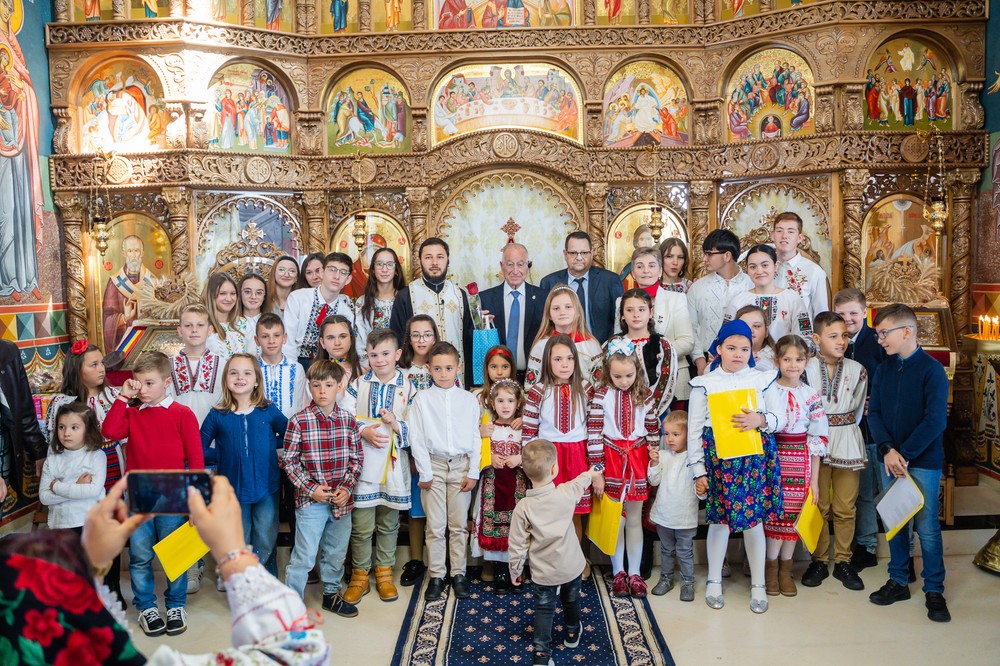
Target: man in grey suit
[[597, 289]]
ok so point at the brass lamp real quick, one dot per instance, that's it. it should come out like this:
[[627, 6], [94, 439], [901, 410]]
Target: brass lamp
[[656, 210]]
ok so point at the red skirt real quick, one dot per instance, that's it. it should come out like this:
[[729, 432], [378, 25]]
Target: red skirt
[[572, 458], [793, 457], [625, 465]]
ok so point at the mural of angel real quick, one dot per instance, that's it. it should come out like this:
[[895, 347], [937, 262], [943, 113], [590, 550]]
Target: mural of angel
[[645, 103], [914, 96], [368, 109], [122, 109]]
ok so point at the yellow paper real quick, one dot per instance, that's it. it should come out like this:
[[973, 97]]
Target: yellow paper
[[602, 526], [179, 551], [899, 504], [729, 441], [810, 523], [486, 452]]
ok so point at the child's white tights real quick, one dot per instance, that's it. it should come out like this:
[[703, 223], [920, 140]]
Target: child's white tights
[[718, 539], [782, 547], [630, 539]]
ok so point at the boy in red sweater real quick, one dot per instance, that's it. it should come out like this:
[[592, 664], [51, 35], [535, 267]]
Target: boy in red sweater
[[162, 435]]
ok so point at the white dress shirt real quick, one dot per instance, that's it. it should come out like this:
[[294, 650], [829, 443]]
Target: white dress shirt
[[808, 279], [707, 299], [298, 309], [508, 304], [444, 423]]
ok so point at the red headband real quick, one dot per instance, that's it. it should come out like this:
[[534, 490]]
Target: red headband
[[499, 349]]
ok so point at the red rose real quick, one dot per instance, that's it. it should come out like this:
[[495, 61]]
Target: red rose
[[54, 586], [79, 347], [472, 288], [86, 648], [42, 627]]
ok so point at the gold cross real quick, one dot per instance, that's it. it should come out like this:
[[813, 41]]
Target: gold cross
[[510, 228]]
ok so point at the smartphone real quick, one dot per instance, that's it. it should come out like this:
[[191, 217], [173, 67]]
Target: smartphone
[[166, 491]]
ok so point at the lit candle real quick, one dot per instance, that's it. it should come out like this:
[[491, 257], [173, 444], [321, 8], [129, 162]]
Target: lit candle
[[996, 328]]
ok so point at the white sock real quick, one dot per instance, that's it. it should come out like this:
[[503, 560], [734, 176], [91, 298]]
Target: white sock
[[718, 539], [633, 536], [755, 542], [618, 559], [788, 549], [773, 548]]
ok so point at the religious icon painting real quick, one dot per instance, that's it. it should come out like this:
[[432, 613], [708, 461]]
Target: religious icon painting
[[499, 14], [248, 111], [274, 15], [615, 12], [382, 230], [909, 85], [900, 252], [536, 96], [393, 15], [738, 8], [224, 11], [368, 110], [645, 104], [770, 95], [121, 108], [90, 10], [670, 12], [621, 233], [148, 8], [785, 4], [341, 16]]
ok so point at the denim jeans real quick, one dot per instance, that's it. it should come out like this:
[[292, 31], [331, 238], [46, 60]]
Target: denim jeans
[[872, 484], [545, 610], [140, 564], [928, 528], [316, 530], [260, 528]]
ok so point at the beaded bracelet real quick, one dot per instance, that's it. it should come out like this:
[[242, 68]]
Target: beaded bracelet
[[235, 554]]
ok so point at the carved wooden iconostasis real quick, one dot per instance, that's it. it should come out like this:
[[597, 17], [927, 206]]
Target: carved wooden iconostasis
[[224, 134]]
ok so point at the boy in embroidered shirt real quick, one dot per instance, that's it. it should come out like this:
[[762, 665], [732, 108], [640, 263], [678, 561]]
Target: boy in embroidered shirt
[[195, 371], [795, 271], [323, 460], [445, 444], [162, 434], [306, 309], [541, 530], [379, 399], [284, 378]]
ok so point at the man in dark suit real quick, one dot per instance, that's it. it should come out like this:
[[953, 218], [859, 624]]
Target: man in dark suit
[[515, 305], [597, 289]]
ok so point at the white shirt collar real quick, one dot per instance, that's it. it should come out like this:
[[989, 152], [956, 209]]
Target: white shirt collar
[[508, 290], [165, 403]]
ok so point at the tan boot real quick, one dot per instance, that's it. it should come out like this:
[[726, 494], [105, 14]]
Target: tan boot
[[771, 577], [785, 582], [357, 588], [384, 585]]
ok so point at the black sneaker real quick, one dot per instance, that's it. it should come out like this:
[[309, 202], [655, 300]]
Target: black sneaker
[[411, 572], [912, 572], [176, 621], [573, 636], [937, 609], [846, 574], [460, 584], [501, 583], [815, 574], [336, 605], [861, 559], [151, 622], [435, 588], [542, 660], [890, 593]]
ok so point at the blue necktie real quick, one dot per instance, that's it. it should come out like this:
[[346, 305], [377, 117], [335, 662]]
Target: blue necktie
[[514, 325], [582, 295]]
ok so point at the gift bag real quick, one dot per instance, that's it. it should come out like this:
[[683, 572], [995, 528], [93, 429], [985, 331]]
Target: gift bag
[[482, 340]]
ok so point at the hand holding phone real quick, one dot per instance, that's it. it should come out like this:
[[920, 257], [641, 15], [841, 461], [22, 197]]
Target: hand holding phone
[[165, 492]]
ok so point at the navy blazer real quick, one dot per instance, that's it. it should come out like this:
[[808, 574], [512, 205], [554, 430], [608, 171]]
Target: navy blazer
[[534, 305], [603, 289], [868, 352]]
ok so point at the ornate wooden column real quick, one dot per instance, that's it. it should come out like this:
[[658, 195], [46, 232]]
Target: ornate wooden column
[[63, 11], [590, 12], [73, 207], [119, 10], [418, 199], [642, 12], [306, 22], [365, 15], [248, 13], [963, 191], [178, 200], [419, 12], [176, 8], [852, 187], [314, 203], [704, 11], [701, 194], [597, 197]]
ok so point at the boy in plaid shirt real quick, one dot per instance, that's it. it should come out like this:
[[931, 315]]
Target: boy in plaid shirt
[[323, 459]]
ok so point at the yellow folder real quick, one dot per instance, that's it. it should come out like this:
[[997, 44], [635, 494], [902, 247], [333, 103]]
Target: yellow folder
[[899, 504], [180, 550], [604, 522], [729, 441], [810, 523], [486, 452]]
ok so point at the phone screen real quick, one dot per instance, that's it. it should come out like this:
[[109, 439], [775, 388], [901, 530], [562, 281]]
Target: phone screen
[[165, 492]]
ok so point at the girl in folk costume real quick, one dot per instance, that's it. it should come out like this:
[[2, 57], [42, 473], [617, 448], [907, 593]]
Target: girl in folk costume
[[374, 306], [784, 310], [744, 492], [421, 335], [556, 409], [281, 282], [564, 315], [502, 484], [675, 259], [221, 297], [763, 344], [337, 343], [801, 445], [655, 352], [254, 299], [622, 422]]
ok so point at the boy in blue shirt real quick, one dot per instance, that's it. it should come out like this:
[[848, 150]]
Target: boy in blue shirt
[[907, 415]]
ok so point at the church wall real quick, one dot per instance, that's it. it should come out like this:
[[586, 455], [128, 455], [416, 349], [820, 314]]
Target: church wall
[[987, 274]]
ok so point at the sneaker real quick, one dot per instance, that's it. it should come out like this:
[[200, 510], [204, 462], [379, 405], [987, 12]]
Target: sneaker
[[890, 593], [412, 571], [176, 621], [313, 576], [194, 575], [861, 559], [335, 604], [937, 609], [846, 574], [637, 586], [687, 590], [573, 636], [619, 584], [151, 622], [542, 660], [665, 584], [815, 574]]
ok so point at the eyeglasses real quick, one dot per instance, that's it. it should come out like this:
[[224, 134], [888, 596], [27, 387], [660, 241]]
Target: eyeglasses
[[709, 253], [385, 264], [579, 255], [883, 334], [421, 336], [342, 272]]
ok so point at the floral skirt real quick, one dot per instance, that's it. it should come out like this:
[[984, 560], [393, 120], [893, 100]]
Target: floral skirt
[[793, 456], [743, 492], [499, 491]]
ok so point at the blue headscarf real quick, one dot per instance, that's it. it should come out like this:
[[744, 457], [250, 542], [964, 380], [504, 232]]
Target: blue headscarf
[[728, 330]]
